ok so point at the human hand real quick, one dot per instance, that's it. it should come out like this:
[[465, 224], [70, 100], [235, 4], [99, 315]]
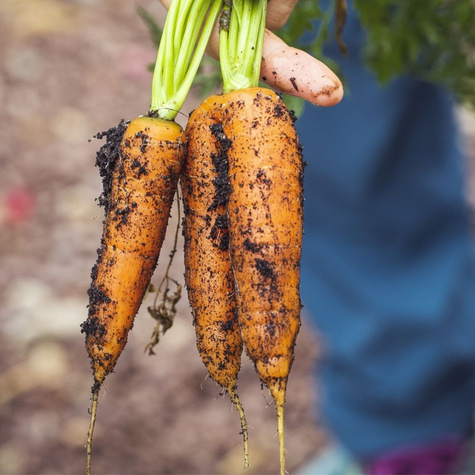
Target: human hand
[[287, 69]]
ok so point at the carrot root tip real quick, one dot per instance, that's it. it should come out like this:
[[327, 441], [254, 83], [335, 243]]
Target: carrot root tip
[[280, 433], [244, 430], [93, 411]]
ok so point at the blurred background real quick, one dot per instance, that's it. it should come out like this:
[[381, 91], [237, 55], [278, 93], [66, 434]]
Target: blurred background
[[70, 69]]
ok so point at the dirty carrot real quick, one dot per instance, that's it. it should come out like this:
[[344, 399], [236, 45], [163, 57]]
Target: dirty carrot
[[143, 182], [265, 203], [262, 190], [208, 273], [140, 165], [265, 212], [142, 186]]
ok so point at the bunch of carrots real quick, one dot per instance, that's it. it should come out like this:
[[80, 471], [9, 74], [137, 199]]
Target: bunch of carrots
[[239, 166]]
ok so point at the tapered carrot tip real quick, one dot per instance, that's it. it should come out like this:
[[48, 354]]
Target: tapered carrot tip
[[95, 400], [244, 431]]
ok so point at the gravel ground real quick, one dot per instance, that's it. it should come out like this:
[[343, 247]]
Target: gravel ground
[[68, 69]]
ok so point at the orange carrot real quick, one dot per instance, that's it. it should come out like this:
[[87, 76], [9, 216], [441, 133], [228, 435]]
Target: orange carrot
[[142, 188], [265, 213], [138, 194], [265, 207], [208, 274]]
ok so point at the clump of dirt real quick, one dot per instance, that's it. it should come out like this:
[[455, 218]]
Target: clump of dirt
[[93, 327], [293, 116], [293, 80], [221, 165], [219, 231], [106, 159], [264, 268]]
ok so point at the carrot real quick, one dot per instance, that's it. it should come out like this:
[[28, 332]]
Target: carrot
[[257, 178], [208, 273], [265, 212], [265, 203], [142, 186], [141, 171]]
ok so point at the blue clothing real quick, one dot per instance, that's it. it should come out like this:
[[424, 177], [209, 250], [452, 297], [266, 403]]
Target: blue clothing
[[388, 267]]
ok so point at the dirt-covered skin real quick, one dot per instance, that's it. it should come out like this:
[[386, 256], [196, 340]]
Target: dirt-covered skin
[[208, 276], [139, 186], [265, 211]]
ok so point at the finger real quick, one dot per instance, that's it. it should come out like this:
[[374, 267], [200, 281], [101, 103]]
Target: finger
[[294, 72]]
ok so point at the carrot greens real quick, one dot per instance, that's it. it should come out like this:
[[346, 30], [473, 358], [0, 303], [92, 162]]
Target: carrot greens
[[241, 39], [186, 33]]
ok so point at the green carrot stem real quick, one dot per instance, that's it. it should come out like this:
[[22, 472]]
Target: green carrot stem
[[200, 48], [190, 37], [178, 33], [240, 45], [186, 33]]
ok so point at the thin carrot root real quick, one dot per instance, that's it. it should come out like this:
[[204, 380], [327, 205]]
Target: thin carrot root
[[277, 389], [280, 434], [94, 403], [245, 433]]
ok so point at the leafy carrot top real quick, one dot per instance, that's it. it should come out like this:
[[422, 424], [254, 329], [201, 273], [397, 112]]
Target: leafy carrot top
[[186, 33]]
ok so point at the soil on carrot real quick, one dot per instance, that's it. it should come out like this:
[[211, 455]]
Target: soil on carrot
[[219, 230], [221, 165], [106, 159]]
